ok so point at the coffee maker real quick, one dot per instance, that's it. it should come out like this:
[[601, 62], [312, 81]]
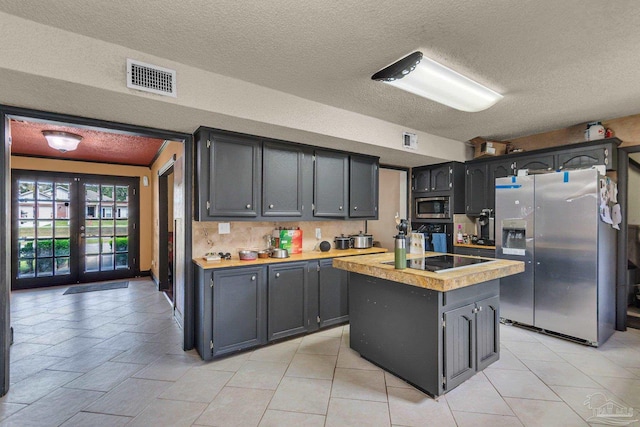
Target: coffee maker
[[485, 228]]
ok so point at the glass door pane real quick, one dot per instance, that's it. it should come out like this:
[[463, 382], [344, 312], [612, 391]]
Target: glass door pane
[[43, 227], [106, 239]]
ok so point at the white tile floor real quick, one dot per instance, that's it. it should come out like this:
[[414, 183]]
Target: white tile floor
[[114, 358]]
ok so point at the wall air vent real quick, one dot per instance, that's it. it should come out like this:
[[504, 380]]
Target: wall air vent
[[409, 140], [151, 78]]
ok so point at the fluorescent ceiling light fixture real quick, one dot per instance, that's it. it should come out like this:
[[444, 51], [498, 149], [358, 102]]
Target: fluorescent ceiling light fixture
[[63, 141], [427, 78]]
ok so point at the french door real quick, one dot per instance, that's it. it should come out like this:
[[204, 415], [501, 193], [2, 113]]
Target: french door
[[70, 228]]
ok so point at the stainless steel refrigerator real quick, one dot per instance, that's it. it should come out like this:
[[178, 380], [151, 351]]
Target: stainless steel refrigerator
[[552, 222]]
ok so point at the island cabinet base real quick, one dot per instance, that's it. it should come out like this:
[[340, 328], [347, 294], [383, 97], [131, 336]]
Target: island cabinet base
[[433, 340]]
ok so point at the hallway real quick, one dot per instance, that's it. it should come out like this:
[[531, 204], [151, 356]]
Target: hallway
[[114, 358]]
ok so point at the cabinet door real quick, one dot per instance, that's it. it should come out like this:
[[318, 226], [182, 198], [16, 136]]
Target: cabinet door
[[239, 309], [583, 158], [441, 178], [421, 180], [487, 331], [536, 162], [476, 179], [234, 176], [330, 181], [498, 169], [459, 345], [363, 187], [287, 302], [333, 294], [281, 179]]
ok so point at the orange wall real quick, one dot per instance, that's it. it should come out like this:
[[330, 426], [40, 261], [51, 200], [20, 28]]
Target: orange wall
[[146, 212], [170, 149]]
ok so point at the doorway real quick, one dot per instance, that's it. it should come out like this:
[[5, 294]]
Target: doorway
[[393, 201], [121, 154], [166, 262], [71, 228]]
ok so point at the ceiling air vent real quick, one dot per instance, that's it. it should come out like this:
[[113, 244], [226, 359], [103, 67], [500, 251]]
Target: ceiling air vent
[[410, 141], [151, 78]]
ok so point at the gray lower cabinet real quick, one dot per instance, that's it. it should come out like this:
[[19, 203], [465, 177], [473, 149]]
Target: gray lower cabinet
[[231, 312], [244, 307], [471, 340], [287, 300], [434, 340], [333, 294]]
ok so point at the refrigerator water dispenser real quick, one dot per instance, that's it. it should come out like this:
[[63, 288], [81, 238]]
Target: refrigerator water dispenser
[[514, 236]]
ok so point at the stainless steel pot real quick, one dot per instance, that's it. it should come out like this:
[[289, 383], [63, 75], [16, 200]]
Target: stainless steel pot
[[280, 253], [247, 255], [362, 241], [342, 242]]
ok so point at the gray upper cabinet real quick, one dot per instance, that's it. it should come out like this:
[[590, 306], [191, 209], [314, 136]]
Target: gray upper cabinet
[[476, 179], [232, 176], [241, 177], [363, 187], [481, 173], [543, 162], [436, 178], [331, 183], [421, 180], [572, 159], [497, 170], [441, 178], [282, 179]]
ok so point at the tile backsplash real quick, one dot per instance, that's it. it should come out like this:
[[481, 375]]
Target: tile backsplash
[[251, 235]]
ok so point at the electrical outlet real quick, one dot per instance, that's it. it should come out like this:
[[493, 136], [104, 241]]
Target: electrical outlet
[[224, 228], [318, 234]]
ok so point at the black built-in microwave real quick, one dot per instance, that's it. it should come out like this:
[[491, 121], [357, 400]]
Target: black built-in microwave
[[432, 207]]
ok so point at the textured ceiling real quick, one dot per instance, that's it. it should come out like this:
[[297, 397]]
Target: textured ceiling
[[558, 63], [96, 146]]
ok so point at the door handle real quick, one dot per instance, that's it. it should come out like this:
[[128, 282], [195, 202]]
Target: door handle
[[277, 275], [82, 235], [82, 228]]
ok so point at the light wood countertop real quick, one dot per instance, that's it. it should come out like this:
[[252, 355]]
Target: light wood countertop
[[304, 256], [471, 245], [372, 265]]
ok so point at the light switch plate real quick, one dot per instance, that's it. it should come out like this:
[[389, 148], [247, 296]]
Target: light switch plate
[[224, 228], [318, 234]]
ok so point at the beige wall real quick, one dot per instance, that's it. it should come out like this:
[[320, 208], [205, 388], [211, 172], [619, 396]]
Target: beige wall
[[38, 59], [172, 148], [250, 235], [146, 222]]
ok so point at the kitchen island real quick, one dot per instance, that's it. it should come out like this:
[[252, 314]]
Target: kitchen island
[[432, 329]]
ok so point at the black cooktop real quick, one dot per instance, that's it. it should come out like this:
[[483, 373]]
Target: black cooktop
[[441, 263]]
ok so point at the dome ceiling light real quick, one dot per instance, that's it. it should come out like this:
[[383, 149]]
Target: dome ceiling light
[[63, 141]]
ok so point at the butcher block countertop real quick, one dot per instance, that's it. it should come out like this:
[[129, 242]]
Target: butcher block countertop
[[304, 256], [471, 245], [372, 265]]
